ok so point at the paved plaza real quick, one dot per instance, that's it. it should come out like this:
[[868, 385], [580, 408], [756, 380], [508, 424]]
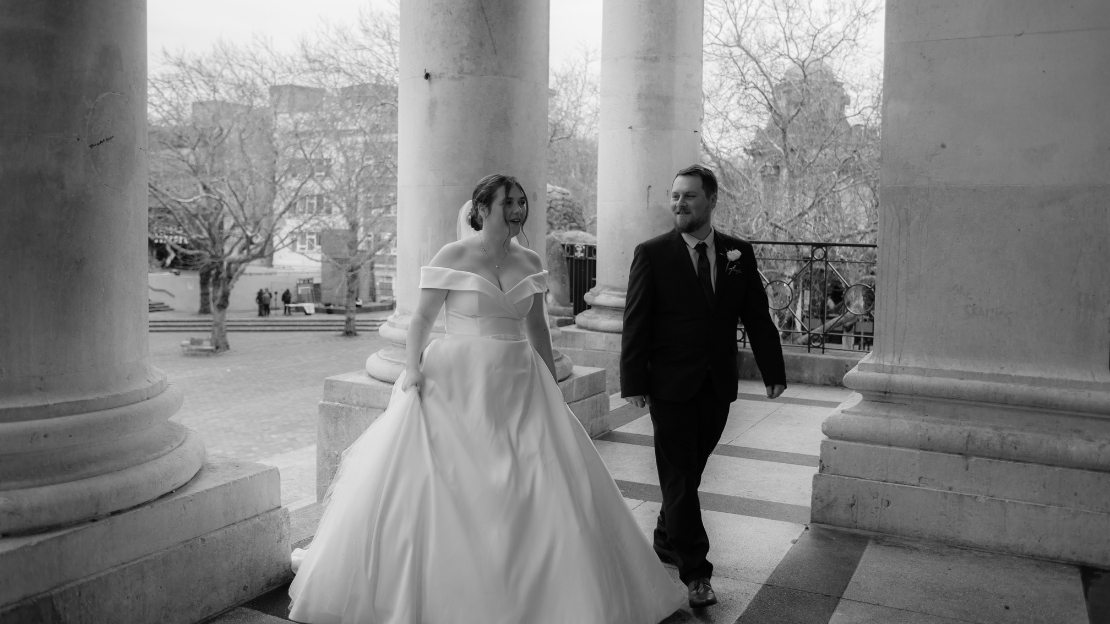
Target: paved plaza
[[258, 401]]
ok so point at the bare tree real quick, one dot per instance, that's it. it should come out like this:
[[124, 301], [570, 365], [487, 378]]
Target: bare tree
[[791, 117], [572, 129], [217, 174], [352, 133]]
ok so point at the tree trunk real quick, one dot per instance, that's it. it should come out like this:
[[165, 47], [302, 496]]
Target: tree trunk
[[206, 274], [349, 325], [219, 316]]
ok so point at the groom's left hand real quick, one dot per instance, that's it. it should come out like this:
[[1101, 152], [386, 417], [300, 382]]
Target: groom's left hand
[[773, 392]]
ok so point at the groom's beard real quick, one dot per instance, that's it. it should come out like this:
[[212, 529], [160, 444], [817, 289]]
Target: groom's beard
[[686, 223]]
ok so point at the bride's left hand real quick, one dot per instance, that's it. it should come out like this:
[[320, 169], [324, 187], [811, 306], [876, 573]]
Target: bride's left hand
[[413, 378]]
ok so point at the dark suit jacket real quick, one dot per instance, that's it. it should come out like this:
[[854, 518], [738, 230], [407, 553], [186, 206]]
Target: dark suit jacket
[[672, 336]]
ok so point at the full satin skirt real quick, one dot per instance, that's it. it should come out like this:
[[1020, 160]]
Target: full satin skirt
[[484, 501]]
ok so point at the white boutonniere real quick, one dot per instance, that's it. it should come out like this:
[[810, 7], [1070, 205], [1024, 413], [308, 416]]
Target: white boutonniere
[[733, 256]]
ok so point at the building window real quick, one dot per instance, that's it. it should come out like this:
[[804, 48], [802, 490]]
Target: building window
[[385, 287], [320, 167], [306, 241], [312, 205]]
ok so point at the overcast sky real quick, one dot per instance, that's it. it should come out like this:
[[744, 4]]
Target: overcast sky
[[194, 25]]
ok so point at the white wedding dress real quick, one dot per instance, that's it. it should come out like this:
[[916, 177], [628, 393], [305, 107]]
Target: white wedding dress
[[484, 501]]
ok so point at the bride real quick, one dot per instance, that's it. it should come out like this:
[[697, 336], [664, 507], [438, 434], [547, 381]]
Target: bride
[[477, 496]]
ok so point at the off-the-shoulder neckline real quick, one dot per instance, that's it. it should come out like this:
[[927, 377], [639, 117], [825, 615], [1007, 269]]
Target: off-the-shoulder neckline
[[486, 280]]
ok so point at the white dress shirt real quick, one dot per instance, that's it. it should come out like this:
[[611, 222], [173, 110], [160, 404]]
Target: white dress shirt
[[691, 242]]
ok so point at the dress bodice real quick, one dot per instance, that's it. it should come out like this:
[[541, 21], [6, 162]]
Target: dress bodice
[[475, 306]]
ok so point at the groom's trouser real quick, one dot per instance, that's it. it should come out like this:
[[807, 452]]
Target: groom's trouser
[[686, 432]]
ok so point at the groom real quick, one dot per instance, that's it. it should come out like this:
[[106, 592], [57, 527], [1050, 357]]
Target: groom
[[686, 291]]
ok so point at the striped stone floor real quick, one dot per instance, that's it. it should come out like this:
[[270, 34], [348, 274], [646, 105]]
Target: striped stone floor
[[771, 567]]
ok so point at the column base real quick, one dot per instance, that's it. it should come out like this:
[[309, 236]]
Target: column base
[[1013, 468], [606, 312], [388, 363], [218, 541], [352, 401], [128, 454]]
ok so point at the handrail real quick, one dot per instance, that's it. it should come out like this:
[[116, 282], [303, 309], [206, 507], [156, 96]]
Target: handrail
[[819, 298]]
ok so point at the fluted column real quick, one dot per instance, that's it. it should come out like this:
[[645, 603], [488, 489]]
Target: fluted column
[[980, 417], [83, 415], [651, 110], [472, 101]]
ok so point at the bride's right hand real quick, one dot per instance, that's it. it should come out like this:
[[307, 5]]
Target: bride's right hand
[[413, 378]]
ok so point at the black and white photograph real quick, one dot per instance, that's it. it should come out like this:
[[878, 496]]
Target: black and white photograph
[[554, 312]]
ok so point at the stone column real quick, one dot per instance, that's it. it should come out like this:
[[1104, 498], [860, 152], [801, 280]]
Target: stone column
[[83, 415], [651, 110], [472, 101], [980, 417]]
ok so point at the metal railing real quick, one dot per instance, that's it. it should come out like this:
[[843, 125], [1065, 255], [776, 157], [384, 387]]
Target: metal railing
[[581, 272], [821, 295]]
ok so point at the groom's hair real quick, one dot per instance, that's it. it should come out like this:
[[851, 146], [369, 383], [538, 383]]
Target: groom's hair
[[708, 179]]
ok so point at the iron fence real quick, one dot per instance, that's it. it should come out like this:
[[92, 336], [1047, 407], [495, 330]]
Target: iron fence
[[581, 272], [821, 295]]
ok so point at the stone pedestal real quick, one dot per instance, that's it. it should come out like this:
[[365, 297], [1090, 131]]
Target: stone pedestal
[[219, 541], [354, 400], [472, 101], [594, 348], [981, 413], [651, 109]]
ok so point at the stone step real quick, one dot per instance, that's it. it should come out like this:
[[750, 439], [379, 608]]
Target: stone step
[[335, 320], [264, 325], [240, 323], [320, 327]]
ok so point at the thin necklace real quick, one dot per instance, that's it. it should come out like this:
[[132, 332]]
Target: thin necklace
[[496, 265]]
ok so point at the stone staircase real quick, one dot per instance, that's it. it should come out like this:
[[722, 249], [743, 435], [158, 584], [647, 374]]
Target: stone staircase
[[157, 306], [315, 323]]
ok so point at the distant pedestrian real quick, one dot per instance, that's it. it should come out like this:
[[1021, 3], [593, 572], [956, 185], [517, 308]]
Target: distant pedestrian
[[286, 299], [267, 298], [258, 300]]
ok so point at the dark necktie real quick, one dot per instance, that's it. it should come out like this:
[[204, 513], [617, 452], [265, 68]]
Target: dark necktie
[[703, 271]]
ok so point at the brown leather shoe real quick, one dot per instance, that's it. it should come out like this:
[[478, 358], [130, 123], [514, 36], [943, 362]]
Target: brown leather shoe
[[701, 593]]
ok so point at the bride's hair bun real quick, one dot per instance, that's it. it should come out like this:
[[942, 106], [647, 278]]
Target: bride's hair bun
[[474, 218]]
